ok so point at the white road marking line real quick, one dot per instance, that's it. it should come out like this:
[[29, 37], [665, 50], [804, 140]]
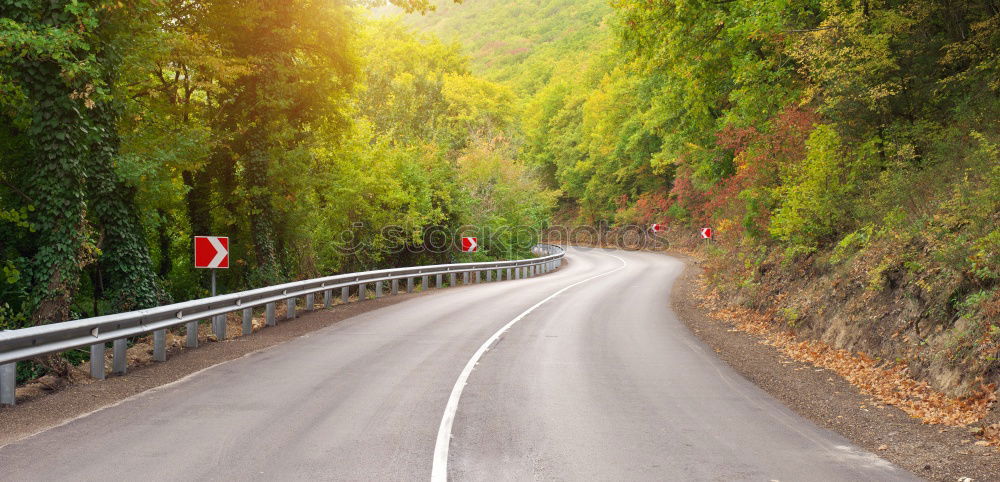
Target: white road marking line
[[439, 470]]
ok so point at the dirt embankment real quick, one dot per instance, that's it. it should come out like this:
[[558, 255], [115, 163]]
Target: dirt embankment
[[892, 311], [875, 407]]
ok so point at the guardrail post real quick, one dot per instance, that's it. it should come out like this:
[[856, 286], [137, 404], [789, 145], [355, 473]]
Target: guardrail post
[[424, 283], [219, 327], [119, 362], [451, 279], [290, 311], [327, 298], [479, 276], [8, 383], [465, 278], [437, 281], [395, 286], [247, 321], [409, 285], [378, 290], [345, 294], [509, 273], [192, 334], [159, 346], [362, 291], [269, 317], [97, 355], [489, 275], [310, 302]]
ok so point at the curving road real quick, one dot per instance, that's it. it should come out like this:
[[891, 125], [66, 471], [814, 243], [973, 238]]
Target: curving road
[[595, 379]]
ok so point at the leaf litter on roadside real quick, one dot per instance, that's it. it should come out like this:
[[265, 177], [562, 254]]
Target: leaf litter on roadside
[[887, 383]]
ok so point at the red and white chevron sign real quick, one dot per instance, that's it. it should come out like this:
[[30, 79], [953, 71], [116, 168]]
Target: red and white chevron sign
[[706, 233], [657, 228], [470, 245], [211, 252]]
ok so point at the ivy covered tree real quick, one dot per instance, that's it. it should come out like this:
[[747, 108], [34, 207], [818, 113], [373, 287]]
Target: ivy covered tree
[[60, 61]]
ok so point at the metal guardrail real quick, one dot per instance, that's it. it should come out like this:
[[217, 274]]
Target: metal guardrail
[[27, 343]]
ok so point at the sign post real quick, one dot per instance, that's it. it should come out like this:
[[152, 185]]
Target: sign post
[[210, 252], [469, 245]]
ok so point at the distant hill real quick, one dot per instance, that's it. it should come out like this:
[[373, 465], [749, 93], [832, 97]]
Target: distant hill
[[519, 42]]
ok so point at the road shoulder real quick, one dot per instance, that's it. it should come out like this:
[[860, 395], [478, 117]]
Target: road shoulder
[[931, 451]]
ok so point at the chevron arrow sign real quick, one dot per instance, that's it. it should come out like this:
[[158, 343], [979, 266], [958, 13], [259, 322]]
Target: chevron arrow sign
[[211, 252]]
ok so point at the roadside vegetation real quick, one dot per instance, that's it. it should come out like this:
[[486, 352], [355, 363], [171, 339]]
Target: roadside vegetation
[[846, 153], [296, 128]]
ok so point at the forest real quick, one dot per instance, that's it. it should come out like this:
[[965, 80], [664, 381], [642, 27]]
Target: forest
[[128, 128], [845, 148]]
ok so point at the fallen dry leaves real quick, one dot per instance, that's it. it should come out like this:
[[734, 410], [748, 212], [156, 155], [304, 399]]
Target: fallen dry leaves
[[991, 433], [889, 384]]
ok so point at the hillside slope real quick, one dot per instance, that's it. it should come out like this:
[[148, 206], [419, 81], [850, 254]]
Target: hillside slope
[[522, 43]]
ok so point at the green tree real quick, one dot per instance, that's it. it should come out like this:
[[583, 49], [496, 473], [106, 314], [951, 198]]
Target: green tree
[[60, 62]]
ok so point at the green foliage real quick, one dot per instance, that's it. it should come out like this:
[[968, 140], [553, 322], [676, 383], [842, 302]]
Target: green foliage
[[505, 204], [128, 128], [60, 66], [816, 200], [851, 244], [522, 44]]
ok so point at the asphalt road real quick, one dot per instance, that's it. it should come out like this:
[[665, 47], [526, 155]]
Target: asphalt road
[[599, 382]]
